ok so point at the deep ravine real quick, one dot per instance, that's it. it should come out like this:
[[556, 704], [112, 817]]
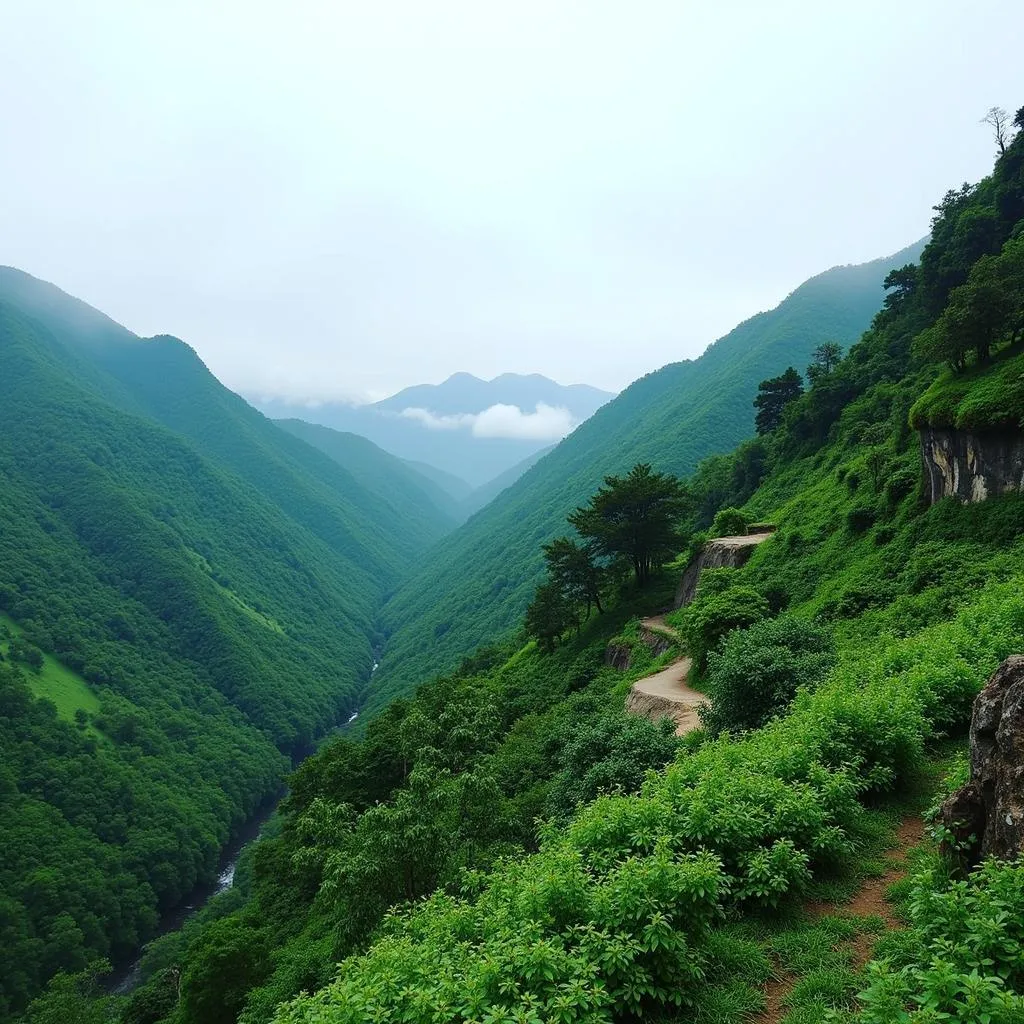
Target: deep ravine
[[127, 976]]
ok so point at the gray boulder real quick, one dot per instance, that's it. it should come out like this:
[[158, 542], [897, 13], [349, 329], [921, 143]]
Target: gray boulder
[[985, 818]]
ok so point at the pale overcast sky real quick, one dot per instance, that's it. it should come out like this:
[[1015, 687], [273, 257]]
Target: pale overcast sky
[[343, 198]]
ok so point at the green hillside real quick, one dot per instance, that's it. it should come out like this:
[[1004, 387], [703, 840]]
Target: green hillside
[[489, 491], [427, 508], [196, 593], [477, 582], [508, 844], [454, 486]]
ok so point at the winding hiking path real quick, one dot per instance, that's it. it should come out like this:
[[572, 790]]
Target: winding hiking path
[[869, 900], [667, 693]]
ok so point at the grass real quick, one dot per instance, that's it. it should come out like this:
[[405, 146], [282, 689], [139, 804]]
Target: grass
[[247, 609], [989, 395], [57, 683]]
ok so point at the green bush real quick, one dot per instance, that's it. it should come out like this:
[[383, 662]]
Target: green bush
[[861, 517], [713, 615], [613, 752], [755, 672], [963, 959], [730, 522]]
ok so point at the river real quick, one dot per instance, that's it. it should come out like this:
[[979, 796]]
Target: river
[[127, 976]]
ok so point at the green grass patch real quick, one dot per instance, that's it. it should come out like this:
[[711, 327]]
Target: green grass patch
[[56, 682], [226, 591], [987, 396]]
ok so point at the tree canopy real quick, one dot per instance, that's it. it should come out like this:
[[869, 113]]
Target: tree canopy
[[773, 395], [634, 517]]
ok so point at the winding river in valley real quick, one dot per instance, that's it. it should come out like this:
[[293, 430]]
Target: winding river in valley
[[127, 976]]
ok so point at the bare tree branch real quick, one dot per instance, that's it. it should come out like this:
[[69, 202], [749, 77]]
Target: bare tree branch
[[1000, 122]]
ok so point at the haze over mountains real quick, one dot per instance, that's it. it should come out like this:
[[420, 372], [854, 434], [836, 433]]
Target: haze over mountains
[[474, 429]]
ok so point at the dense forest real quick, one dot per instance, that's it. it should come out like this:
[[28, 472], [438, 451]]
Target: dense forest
[[506, 844], [188, 597]]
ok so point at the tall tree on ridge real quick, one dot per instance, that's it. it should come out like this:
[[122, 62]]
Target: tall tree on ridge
[[572, 568], [634, 517], [824, 359], [773, 396]]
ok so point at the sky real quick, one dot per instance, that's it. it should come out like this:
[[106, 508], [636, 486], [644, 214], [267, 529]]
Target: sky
[[336, 200]]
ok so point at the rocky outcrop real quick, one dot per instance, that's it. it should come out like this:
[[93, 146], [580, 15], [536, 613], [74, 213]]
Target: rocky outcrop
[[985, 818], [972, 466], [650, 705], [620, 656], [655, 641], [720, 553]]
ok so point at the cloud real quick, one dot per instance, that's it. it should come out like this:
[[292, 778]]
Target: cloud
[[546, 423]]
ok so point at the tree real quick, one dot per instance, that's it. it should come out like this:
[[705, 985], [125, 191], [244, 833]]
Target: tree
[[571, 567], [223, 965], [76, 998], [999, 121], [773, 396], [634, 517], [824, 359], [980, 313], [901, 285], [549, 616]]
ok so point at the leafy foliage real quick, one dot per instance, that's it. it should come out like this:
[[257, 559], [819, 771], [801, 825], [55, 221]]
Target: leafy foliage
[[962, 957], [729, 522], [714, 613], [755, 672]]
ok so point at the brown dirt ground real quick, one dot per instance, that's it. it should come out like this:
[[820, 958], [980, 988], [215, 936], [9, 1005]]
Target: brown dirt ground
[[869, 900]]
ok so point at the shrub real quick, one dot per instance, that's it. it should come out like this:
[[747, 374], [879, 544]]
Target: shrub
[[613, 752], [900, 484], [729, 522], [713, 615], [963, 957], [755, 672], [860, 518]]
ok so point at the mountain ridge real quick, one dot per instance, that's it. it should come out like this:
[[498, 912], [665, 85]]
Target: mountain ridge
[[481, 577], [444, 435]]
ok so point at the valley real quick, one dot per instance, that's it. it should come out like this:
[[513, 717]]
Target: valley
[[641, 720]]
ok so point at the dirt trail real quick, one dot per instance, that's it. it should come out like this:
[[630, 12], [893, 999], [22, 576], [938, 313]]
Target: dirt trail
[[869, 900], [657, 624], [666, 693]]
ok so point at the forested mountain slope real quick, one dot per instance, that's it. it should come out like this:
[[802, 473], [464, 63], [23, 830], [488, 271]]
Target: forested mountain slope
[[486, 493], [552, 858], [409, 492], [477, 582], [194, 591]]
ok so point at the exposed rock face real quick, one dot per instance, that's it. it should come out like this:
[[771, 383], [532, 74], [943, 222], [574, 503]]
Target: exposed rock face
[[658, 643], [720, 553], [991, 806], [655, 707], [972, 466], [620, 656]]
